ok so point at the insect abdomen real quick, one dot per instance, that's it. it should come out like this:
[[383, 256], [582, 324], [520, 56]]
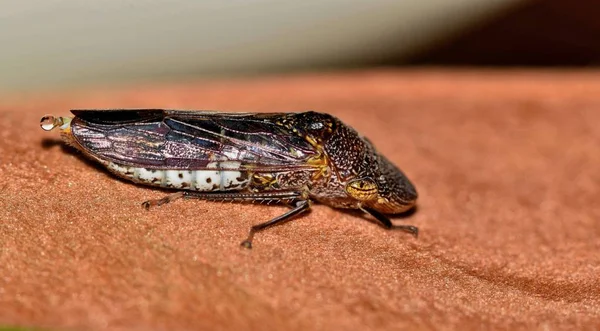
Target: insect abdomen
[[195, 180]]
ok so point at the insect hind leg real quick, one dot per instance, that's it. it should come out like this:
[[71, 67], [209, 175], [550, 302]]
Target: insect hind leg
[[278, 196], [157, 202]]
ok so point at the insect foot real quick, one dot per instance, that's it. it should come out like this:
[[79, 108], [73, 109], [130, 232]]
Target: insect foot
[[147, 204], [158, 202], [408, 228]]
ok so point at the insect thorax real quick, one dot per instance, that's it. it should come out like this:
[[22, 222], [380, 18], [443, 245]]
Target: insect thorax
[[348, 157]]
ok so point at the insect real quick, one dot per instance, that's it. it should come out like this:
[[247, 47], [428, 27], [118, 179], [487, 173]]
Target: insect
[[290, 158]]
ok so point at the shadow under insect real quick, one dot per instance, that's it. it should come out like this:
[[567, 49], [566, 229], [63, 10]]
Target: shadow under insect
[[49, 143]]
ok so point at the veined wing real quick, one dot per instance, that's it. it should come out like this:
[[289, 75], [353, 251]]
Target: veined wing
[[167, 139]]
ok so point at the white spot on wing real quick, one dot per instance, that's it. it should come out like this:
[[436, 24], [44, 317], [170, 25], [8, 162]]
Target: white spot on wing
[[150, 176], [232, 180], [121, 170], [178, 178], [206, 180], [199, 180]]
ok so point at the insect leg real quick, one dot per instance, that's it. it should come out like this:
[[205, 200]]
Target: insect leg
[[388, 224], [275, 196], [297, 199], [281, 196], [171, 197], [300, 207]]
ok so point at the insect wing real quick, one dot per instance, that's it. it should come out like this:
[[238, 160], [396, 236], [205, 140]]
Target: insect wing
[[157, 139]]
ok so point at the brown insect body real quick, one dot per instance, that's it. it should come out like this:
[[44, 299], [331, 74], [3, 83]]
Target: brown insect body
[[281, 157]]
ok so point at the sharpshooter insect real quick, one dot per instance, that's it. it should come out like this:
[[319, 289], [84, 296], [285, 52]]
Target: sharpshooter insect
[[291, 158]]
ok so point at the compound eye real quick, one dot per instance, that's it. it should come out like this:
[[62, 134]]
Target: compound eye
[[363, 189]]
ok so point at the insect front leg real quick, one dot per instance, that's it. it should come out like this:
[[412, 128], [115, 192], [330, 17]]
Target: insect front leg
[[386, 223]]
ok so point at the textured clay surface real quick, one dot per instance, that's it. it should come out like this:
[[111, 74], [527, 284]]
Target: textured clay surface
[[507, 165]]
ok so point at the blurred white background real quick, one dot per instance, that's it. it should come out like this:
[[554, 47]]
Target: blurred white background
[[62, 43]]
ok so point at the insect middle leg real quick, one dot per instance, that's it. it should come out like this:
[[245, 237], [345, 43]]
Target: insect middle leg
[[300, 207]]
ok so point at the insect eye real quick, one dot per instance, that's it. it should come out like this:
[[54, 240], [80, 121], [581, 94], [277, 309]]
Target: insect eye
[[364, 189]]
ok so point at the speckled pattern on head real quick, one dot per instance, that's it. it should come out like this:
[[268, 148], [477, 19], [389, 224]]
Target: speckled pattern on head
[[353, 157]]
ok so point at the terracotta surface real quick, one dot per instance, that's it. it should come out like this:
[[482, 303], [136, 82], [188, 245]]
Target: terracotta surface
[[507, 165]]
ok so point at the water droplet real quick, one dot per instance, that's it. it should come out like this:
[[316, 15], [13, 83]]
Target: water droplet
[[48, 122]]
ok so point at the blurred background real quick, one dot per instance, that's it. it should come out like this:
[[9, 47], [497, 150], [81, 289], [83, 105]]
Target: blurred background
[[55, 44]]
